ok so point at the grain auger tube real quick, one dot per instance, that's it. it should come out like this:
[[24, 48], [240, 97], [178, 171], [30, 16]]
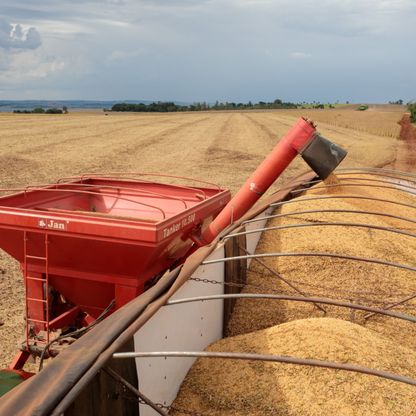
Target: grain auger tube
[[320, 154]]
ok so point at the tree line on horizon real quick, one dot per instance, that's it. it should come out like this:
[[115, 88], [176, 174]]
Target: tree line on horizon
[[41, 110], [169, 106]]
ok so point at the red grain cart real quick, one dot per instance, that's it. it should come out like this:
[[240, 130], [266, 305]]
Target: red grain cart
[[83, 243]]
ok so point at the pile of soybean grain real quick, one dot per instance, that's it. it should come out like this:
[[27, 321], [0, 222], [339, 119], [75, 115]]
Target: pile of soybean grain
[[234, 387], [359, 282], [237, 388]]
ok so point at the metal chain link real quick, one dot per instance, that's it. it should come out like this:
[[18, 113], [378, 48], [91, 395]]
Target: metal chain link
[[240, 285], [217, 282]]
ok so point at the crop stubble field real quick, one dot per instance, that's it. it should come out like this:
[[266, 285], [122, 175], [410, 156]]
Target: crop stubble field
[[221, 147]]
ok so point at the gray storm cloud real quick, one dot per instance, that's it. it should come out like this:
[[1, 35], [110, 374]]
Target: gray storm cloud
[[14, 37], [207, 50]]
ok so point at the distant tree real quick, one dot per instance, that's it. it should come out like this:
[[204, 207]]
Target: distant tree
[[38, 110], [161, 106], [54, 111], [397, 102]]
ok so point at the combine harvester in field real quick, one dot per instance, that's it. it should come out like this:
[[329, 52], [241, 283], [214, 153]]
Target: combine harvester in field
[[106, 259]]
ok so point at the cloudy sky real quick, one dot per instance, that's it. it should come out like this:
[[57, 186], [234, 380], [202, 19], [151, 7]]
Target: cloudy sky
[[207, 50]]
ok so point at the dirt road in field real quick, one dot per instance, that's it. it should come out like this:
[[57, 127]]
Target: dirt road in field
[[219, 147]]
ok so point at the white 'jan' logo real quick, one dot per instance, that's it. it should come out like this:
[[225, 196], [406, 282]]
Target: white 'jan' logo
[[52, 224]]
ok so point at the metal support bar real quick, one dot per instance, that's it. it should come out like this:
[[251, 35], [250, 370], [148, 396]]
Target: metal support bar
[[64, 318], [297, 191], [361, 179], [313, 254], [324, 301], [127, 175], [133, 191], [323, 224], [379, 170], [347, 293], [36, 257], [400, 302], [317, 198], [272, 358], [78, 191], [335, 211], [19, 360], [382, 174], [133, 389]]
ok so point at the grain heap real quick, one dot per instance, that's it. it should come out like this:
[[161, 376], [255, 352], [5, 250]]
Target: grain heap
[[234, 387], [365, 283], [230, 387]]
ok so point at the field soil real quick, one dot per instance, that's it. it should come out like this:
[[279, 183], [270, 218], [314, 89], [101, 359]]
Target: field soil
[[221, 147]]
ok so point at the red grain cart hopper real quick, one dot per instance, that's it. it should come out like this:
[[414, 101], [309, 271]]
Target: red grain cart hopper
[[83, 243]]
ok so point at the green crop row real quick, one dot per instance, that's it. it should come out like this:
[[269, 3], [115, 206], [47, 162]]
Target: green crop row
[[412, 109]]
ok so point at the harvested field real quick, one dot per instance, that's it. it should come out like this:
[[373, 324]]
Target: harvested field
[[220, 147], [43, 147], [382, 122]]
